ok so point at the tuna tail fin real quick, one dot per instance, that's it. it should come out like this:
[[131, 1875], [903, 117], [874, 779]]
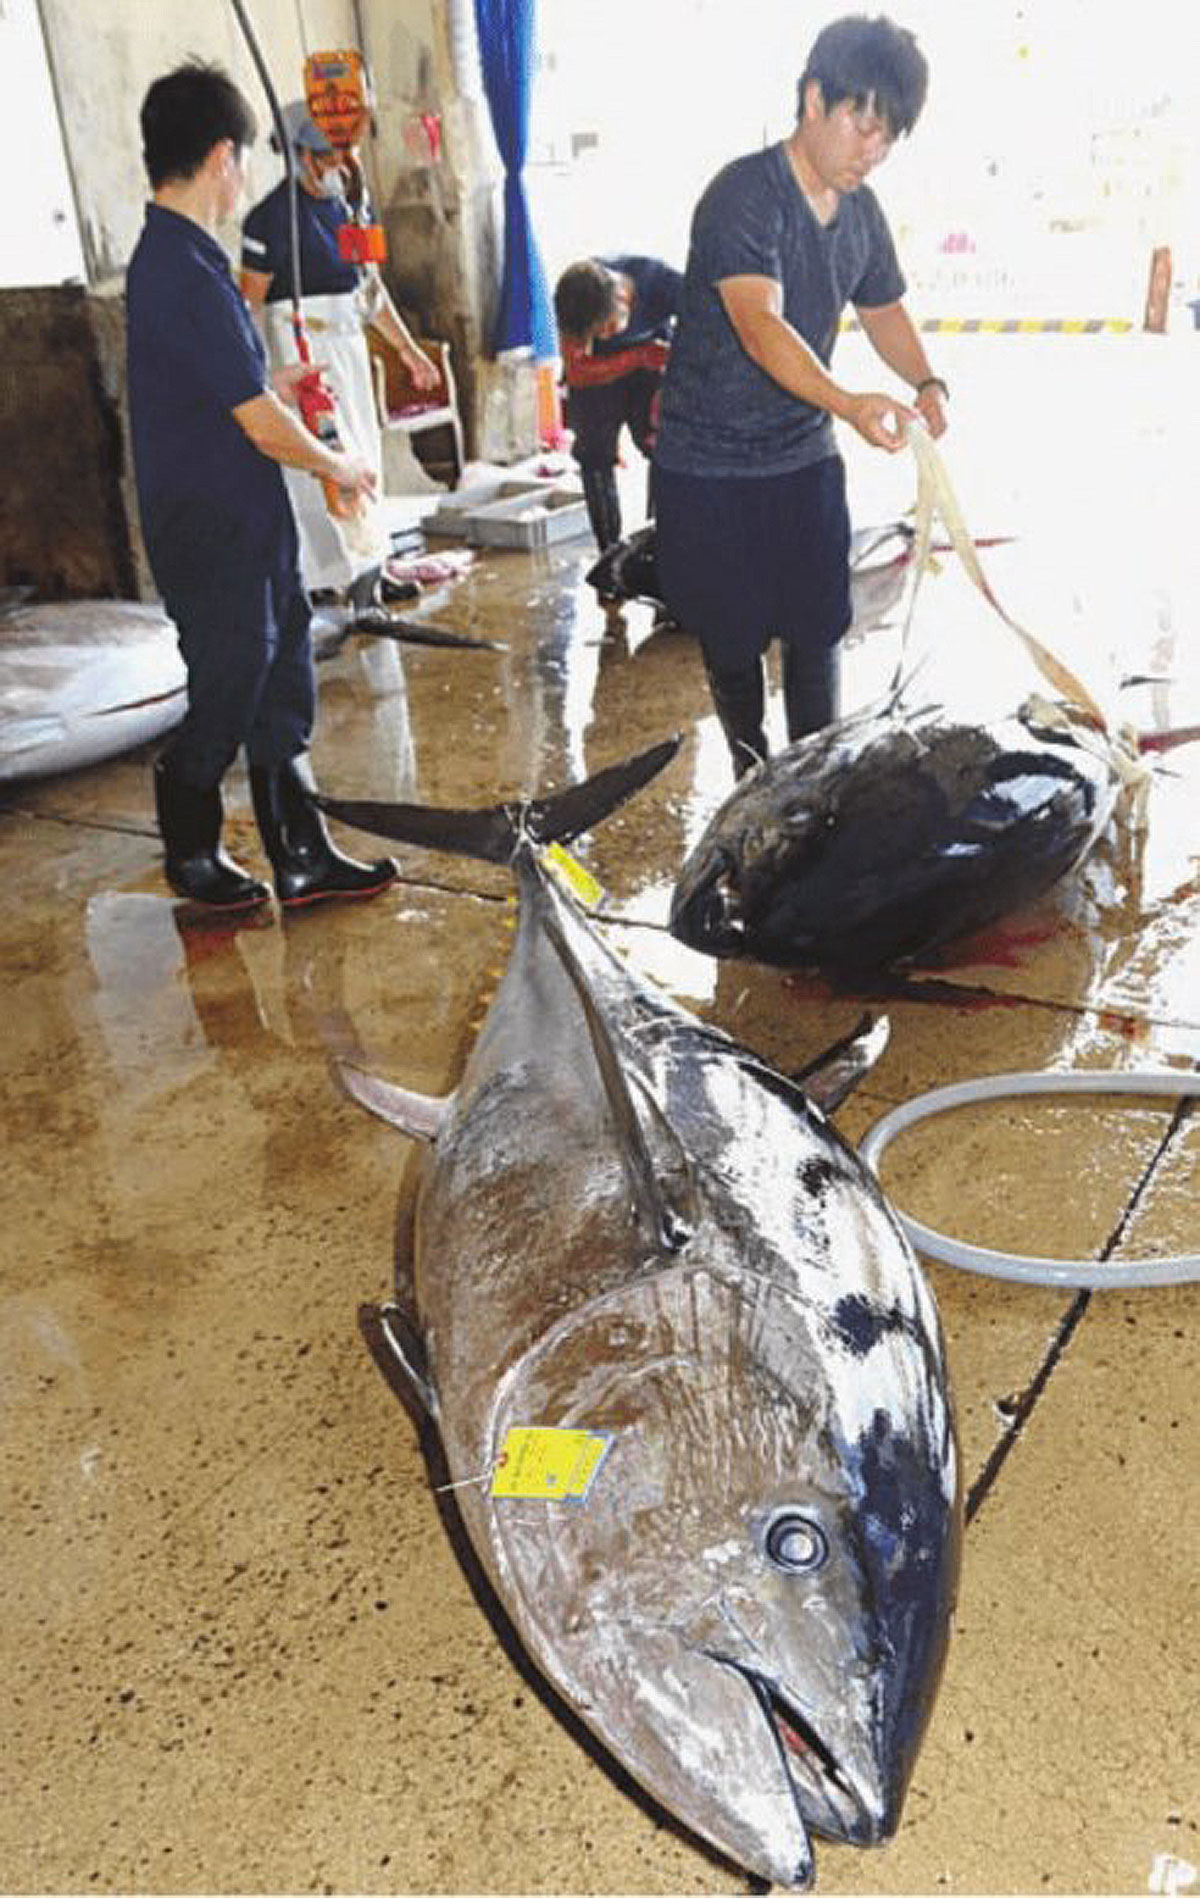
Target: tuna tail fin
[[494, 835], [381, 624]]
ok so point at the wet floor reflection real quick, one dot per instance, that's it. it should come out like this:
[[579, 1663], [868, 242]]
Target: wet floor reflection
[[209, 1494], [172, 989], [366, 715]]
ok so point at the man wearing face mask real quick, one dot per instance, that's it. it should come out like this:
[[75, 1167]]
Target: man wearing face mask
[[210, 436], [341, 557]]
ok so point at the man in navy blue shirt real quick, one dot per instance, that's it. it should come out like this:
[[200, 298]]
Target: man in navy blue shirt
[[615, 317], [210, 438], [753, 529]]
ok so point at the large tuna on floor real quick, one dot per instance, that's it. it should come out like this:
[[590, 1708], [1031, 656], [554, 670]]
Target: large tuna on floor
[[83, 680], [630, 1227], [878, 839]]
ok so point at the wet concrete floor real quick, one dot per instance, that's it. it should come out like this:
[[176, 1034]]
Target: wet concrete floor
[[239, 1651]]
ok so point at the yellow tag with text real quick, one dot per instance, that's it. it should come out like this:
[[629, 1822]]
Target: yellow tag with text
[[550, 1464], [570, 871]]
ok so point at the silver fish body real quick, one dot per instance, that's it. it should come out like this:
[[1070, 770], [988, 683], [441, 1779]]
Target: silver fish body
[[627, 1224], [84, 680], [883, 837]]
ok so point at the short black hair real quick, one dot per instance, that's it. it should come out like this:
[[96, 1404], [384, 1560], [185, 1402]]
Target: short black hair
[[584, 297], [864, 60], [186, 113]]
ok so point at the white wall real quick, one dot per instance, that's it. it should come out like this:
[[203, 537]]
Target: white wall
[[39, 232], [104, 54]]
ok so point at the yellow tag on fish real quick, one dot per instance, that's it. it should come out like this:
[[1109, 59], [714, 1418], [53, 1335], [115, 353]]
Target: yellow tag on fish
[[550, 1464], [570, 871]]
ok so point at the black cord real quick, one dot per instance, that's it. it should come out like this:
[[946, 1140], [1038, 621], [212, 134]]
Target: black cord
[[289, 158]]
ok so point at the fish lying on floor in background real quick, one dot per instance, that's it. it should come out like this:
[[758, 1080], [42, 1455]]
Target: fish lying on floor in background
[[333, 625], [629, 571], [631, 1228], [84, 680], [882, 837]]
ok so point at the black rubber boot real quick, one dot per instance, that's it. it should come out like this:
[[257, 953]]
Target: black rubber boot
[[810, 689], [195, 864], [307, 867], [603, 505], [739, 700]]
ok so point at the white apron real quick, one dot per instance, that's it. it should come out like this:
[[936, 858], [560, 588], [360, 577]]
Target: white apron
[[334, 553]]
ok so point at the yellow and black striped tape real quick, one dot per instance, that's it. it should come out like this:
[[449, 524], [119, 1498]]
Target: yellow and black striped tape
[[1017, 325]]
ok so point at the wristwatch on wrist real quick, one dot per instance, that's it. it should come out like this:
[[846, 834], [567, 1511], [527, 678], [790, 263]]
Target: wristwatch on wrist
[[934, 382]]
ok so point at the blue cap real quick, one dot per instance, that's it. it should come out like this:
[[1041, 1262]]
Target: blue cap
[[300, 128]]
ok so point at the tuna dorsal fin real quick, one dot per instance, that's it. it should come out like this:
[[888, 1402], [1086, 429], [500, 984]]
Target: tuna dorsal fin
[[493, 835], [399, 1350], [667, 1214], [833, 1075], [420, 1115]]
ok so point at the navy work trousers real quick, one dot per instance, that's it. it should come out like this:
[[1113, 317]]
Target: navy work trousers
[[749, 558], [244, 638]]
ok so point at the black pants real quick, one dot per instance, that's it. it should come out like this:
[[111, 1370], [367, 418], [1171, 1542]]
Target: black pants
[[598, 415], [748, 558], [244, 638], [810, 699]]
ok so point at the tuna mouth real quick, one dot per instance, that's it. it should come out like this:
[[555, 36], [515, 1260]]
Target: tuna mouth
[[827, 1800], [704, 911], [810, 1764]]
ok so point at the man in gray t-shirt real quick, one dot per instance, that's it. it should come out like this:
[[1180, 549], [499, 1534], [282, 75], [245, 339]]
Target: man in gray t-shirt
[[753, 531]]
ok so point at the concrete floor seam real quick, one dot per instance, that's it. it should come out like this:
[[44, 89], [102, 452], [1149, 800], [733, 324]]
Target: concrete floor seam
[[1027, 1403], [77, 823]]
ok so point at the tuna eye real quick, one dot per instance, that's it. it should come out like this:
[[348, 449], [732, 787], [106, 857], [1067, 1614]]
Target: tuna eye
[[795, 1543]]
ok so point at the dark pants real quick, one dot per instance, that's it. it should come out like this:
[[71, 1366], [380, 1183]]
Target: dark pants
[[243, 634], [598, 415], [749, 558]]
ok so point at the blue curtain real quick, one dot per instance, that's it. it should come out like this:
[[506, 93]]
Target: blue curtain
[[506, 35]]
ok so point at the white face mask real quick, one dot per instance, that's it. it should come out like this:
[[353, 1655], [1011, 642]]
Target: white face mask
[[329, 184]]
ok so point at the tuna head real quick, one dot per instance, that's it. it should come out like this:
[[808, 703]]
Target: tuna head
[[755, 844], [747, 1608]]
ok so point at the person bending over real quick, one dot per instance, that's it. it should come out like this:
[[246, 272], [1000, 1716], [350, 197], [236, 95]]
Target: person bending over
[[615, 317]]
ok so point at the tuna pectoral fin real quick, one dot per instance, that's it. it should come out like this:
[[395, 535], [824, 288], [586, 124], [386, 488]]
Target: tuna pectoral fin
[[836, 1073], [493, 835], [420, 1115], [399, 1350]]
